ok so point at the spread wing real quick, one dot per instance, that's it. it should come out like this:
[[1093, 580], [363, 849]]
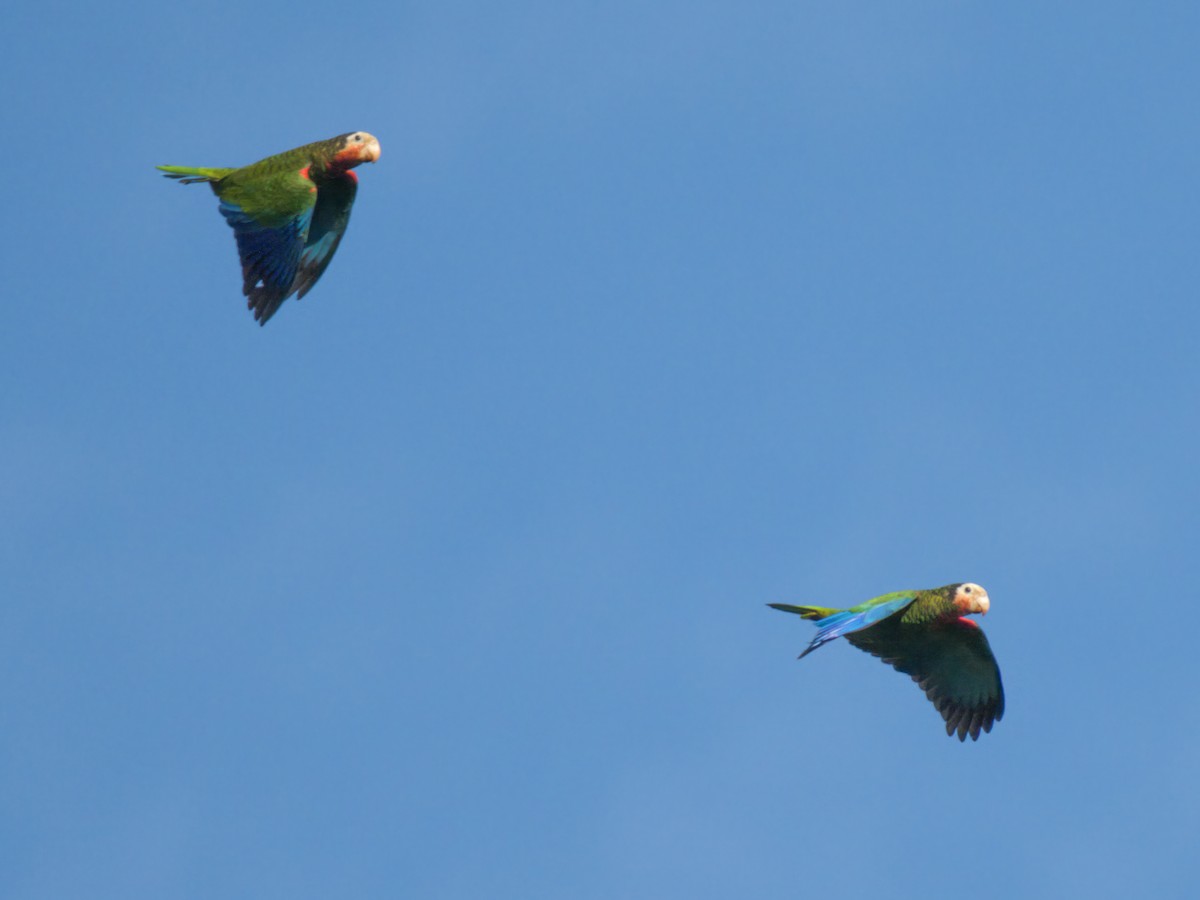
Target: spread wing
[[330, 217], [270, 217], [951, 661]]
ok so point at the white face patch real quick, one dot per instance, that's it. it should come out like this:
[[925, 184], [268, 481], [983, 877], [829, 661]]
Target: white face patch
[[973, 598], [368, 146]]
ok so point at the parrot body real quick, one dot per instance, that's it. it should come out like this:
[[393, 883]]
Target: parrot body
[[288, 213], [925, 634]]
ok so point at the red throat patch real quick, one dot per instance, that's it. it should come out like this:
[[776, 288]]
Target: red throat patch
[[350, 156]]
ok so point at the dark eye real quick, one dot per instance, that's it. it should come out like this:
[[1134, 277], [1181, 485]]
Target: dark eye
[[966, 590]]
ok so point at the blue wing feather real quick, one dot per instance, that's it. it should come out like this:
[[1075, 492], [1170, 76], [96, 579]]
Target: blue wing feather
[[270, 256], [335, 197], [847, 621]]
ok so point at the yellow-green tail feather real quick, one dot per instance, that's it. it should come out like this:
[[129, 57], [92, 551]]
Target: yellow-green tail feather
[[805, 612], [193, 174]]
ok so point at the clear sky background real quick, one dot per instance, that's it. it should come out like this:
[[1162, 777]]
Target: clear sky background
[[450, 582]]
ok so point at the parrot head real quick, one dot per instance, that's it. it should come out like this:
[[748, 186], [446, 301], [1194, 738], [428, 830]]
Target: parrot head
[[971, 598], [357, 147]]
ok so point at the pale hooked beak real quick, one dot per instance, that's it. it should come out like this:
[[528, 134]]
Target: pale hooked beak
[[370, 150], [984, 604]]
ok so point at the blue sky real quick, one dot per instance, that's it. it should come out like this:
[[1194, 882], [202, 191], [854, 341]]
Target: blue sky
[[450, 581]]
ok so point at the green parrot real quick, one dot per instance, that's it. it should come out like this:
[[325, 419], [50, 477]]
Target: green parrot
[[288, 213], [925, 634]]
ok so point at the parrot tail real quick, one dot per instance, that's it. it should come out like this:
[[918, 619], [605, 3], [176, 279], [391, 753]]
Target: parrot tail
[[809, 612], [805, 612], [833, 623], [192, 175]]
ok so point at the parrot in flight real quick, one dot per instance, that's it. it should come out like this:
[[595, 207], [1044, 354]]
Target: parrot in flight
[[288, 213], [925, 634]]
